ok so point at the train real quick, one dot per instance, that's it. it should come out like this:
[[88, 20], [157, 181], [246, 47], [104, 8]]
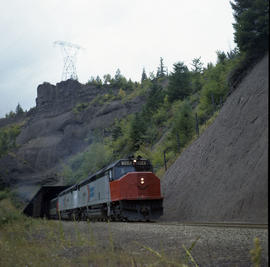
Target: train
[[126, 190]]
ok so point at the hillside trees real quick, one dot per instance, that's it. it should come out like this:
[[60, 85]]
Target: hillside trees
[[179, 82], [196, 71], [137, 131], [144, 76], [96, 156], [18, 111], [166, 122], [252, 25], [183, 126], [8, 138], [215, 84]]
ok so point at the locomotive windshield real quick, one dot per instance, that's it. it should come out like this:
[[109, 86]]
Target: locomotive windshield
[[125, 166]]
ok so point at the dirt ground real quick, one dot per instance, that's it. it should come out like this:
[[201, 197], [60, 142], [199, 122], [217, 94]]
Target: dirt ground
[[215, 246]]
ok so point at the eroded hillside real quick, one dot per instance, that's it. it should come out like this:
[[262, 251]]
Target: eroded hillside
[[223, 175], [63, 123]]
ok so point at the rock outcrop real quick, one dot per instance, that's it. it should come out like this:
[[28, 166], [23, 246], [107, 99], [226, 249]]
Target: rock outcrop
[[54, 131], [223, 175]]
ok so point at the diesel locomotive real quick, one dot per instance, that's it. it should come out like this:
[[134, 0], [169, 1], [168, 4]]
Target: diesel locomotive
[[126, 190]]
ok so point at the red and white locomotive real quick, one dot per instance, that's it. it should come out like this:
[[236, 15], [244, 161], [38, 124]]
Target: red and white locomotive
[[126, 190]]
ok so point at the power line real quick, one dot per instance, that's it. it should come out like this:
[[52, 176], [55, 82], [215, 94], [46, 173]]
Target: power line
[[69, 52]]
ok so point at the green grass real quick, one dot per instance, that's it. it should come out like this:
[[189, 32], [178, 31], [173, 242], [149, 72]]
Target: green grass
[[40, 242], [26, 241]]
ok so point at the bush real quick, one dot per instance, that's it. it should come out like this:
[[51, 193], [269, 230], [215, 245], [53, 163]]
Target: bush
[[183, 126], [3, 195], [96, 156], [8, 213], [8, 138], [80, 107]]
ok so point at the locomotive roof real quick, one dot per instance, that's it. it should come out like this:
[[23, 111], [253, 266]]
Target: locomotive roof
[[96, 174]]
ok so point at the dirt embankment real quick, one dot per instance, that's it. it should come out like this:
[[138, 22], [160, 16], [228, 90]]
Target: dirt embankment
[[222, 176]]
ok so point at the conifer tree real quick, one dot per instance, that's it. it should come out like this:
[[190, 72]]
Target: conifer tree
[[161, 69], [252, 25], [179, 82], [144, 76], [197, 65], [19, 109]]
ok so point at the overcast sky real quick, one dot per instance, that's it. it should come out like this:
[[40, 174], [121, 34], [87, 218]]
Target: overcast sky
[[124, 34]]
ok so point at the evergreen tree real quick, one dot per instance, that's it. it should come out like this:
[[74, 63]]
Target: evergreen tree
[[19, 109], [98, 82], [197, 65], [107, 78], [119, 80], [232, 54], [252, 25], [221, 57], [179, 82], [137, 131], [144, 76], [161, 69], [183, 125], [118, 76], [197, 69], [155, 98]]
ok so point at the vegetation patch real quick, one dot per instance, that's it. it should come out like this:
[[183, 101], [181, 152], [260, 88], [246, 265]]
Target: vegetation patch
[[8, 136]]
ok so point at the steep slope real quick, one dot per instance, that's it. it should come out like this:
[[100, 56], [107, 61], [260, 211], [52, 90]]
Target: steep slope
[[223, 175], [64, 122]]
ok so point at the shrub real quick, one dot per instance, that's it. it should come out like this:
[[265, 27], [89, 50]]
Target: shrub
[[8, 213], [8, 138]]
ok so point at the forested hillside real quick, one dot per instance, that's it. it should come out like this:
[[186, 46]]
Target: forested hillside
[[76, 129], [177, 107], [223, 175]]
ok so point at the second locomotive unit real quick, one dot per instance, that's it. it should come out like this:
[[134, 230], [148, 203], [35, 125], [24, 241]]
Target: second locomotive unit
[[126, 190]]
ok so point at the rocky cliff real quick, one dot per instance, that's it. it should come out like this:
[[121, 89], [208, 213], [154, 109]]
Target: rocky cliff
[[54, 130], [223, 175]]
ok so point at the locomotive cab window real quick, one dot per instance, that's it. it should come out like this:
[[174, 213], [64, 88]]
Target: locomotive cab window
[[126, 166], [120, 171]]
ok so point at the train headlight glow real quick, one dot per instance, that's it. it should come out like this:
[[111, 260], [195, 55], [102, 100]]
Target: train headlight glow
[[142, 180]]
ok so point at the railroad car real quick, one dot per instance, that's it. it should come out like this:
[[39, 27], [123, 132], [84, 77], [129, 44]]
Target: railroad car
[[126, 190]]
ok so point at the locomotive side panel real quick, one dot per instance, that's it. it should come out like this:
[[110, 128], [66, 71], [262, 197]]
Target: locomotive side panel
[[93, 193], [99, 191], [83, 196], [65, 201]]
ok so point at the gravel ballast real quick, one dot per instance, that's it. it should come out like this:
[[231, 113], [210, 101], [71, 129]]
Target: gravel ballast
[[216, 246]]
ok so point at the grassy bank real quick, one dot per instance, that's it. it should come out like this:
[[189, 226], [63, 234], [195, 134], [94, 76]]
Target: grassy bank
[[39, 242]]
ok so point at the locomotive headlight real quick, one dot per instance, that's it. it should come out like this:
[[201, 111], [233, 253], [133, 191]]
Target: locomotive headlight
[[142, 180], [134, 161]]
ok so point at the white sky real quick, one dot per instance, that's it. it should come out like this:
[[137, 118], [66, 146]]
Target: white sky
[[124, 34]]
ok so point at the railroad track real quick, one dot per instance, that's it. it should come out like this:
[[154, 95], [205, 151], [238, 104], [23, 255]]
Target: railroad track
[[221, 224]]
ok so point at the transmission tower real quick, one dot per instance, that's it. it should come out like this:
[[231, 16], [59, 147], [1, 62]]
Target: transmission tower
[[69, 52]]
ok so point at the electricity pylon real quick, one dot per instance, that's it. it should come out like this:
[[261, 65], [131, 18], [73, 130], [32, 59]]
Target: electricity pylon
[[69, 52]]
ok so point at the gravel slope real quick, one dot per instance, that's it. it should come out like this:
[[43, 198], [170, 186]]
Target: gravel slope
[[222, 176]]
